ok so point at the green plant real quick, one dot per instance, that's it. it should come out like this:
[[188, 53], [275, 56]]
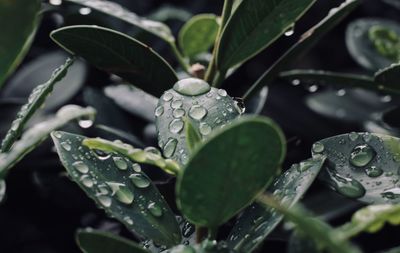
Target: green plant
[[223, 160]]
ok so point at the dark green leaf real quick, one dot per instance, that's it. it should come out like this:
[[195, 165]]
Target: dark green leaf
[[254, 26], [119, 54], [376, 51], [198, 34], [306, 42], [38, 133], [362, 166], [219, 181], [169, 12], [119, 187], [113, 9], [193, 137], [322, 233], [19, 19], [90, 241], [388, 78], [35, 102], [257, 222]]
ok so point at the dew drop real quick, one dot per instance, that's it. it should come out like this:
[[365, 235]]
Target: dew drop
[[178, 113], [136, 167], [304, 166], [86, 181], [197, 112], [167, 96], [361, 155], [120, 163], [81, 167], [353, 136], [139, 180], [318, 147], [57, 135], [102, 155], [66, 146], [169, 147], [204, 128], [128, 220], [222, 92], [154, 209], [159, 111], [104, 200], [86, 122], [348, 187], [176, 104], [393, 193], [191, 87], [121, 192], [367, 137], [176, 126], [373, 171]]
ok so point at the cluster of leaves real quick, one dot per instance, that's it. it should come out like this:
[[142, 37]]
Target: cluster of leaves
[[215, 183]]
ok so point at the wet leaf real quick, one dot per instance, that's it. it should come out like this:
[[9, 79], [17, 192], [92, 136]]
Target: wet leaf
[[257, 222], [119, 187], [306, 42], [362, 166], [91, 241], [198, 34], [254, 26], [115, 10], [373, 51], [119, 54], [35, 102], [34, 136], [388, 78], [215, 185], [21, 16]]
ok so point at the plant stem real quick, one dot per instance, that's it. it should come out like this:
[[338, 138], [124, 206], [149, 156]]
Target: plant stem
[[180, 57], [212, 68]]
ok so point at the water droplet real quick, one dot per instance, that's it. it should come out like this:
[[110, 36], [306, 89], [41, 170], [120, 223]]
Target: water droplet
[[386, 99], [391, 193], [81, 167], [86, 122], [204, 128], [373, 171], [318, 147], [222, 92], [341, 92], [361, 155], [57, 135], [296, 82], [121, 192], [191, 87], [85, 11], [86, 181], [154, 209], [120, 163], [348, 187], [66, 146], [178, 113], [353, 136], [136, 167], [128, 220], [367, 137], [197, 112], [176, 104], [167, 96], [159, 111], [176, 126], [139, 180], [169, 147], [104, 200], [289, 32], [304, 166], [101, 155]]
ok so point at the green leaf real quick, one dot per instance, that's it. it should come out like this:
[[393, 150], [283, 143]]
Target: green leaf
[[115, 10], [219, 181], [119, 187], [322, 233], [21, 16], [254, 26], [39, 132], [370, 219], [362, 166], [388, 78], [90, 241], [193, 137], [149, 155], [119, 54], [198, 34], [257, 222], [35, 102], [306, 42], [170, 12]]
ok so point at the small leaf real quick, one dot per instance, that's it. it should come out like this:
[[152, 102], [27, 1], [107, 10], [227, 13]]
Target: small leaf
[[35, 101], [322, 233], [257, 222], [219, 181], [306, 42], [170, 12], [115, 10], [362, 166], [90, 241], [119, 187], [119, 54], [193, 137], [198, 34], [370, 219], [38, 133], [254, 26], [22, 16], [373, 52]]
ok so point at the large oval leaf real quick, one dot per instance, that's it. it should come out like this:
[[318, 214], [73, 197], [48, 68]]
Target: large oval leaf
[[363, 166], [90, 241], [257, 222], [119, 54], [254, 26], [120, 187], [219, 181], [19, 19], [198, 34]]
